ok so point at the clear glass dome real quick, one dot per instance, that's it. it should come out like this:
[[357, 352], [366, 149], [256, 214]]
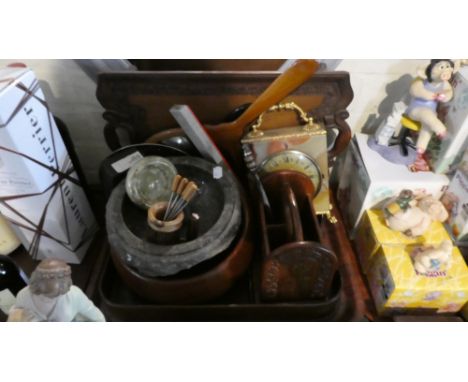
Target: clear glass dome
[[149, 181]]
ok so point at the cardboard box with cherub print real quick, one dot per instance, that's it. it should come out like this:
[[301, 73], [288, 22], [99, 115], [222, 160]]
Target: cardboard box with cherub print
[[403, 277], [409, 258], [409, 219]]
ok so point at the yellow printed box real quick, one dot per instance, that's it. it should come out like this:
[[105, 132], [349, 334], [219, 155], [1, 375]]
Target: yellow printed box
[[395, 284], [373, 232]]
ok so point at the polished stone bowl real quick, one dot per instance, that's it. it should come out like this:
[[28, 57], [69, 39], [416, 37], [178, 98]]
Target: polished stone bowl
[[219, 209], [203, 282]]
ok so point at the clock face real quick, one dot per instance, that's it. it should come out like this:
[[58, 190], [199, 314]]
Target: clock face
[[294, 161]]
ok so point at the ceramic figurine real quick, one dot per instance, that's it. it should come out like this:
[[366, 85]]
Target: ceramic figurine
[[427, 91], [51, 296], [412, 215], [404, 200], [427, 260], [431, 87], [433, 207]]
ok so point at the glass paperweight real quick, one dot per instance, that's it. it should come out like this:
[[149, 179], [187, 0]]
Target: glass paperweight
[[149, 181]]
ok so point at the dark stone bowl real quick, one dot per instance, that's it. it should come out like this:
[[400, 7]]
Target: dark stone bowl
[[204, 282], [218, 206]]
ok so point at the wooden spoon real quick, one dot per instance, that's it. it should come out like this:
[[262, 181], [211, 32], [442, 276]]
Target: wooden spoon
[[227, 135]]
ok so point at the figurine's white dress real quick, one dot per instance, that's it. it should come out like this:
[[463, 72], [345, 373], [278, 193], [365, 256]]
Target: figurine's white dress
[[71, 306]]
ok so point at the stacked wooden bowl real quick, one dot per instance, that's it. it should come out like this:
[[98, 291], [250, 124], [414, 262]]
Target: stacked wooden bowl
[[194, 270]]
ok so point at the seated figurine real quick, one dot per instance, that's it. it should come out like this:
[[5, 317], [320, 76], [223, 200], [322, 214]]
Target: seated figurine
[[427, 260], [51, 296], [426, 93], [414, 217], [420, 118]]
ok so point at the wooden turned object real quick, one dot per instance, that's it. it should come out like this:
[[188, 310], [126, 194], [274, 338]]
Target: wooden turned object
[[155, 215], [297, 269], [197, 287]]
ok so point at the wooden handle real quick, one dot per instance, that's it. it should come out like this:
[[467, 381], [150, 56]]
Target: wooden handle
[[343, 138], [227, 136], [182, 184], [189, 191], [175, 182], [278, 90]]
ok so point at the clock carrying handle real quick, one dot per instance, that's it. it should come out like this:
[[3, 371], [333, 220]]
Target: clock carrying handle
[[309, 123], [292, 217]]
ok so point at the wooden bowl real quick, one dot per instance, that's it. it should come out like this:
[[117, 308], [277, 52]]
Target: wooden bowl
[[218, 207], [201, 286]]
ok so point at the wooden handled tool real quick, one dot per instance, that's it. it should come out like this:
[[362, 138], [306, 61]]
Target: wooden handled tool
[[227, 136], [179, 187], [182, 184], [175, 185], [187, 195]]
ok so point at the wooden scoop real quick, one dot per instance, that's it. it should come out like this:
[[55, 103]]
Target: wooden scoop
[[227, 136]]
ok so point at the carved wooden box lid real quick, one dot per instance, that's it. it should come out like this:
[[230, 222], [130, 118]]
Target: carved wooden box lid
[[139, 102]]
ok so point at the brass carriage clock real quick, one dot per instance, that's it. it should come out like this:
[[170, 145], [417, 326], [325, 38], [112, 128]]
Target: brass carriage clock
[[300, 148]]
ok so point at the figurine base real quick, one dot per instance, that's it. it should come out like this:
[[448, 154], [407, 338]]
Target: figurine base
[[392, 153]]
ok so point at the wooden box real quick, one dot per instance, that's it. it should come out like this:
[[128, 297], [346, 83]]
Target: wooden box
[[138, 104]]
